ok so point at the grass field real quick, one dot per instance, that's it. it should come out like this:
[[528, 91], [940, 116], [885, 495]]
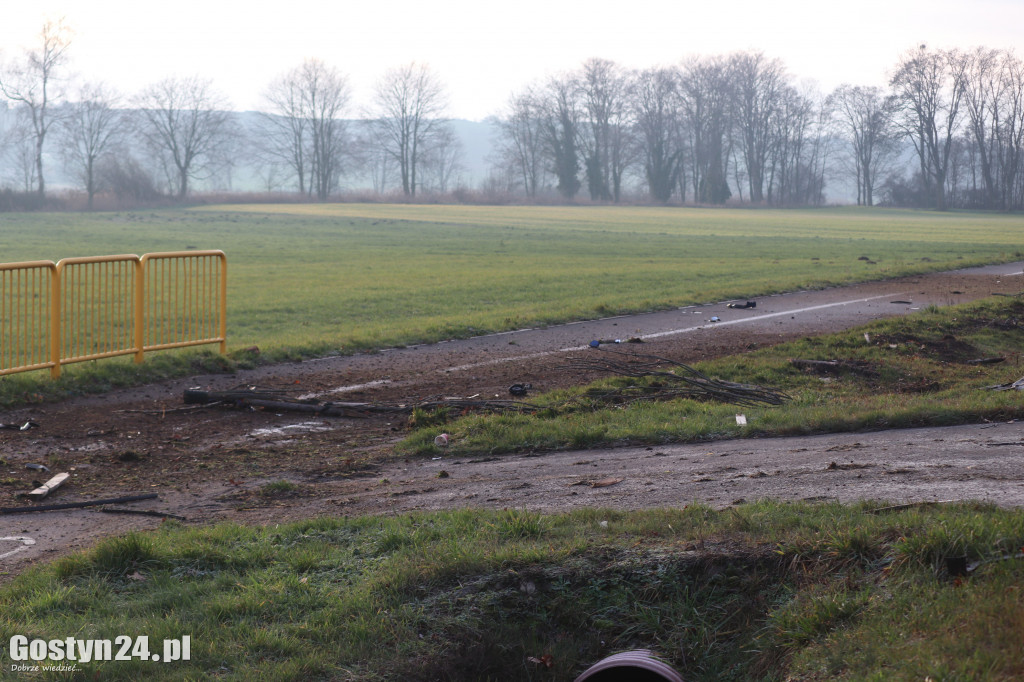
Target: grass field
[[314, 279]]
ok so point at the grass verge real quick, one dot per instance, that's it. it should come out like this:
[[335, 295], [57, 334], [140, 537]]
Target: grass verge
[[898, 373], [100, 376], [766, 591]]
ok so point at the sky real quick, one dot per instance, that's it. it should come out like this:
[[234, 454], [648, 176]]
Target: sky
[[484, 53]]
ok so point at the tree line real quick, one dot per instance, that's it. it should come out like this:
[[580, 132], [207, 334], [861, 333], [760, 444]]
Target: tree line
[[180, 131], [947, 132]]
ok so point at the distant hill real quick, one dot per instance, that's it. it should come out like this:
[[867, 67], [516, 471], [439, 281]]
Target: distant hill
[[478, 142]]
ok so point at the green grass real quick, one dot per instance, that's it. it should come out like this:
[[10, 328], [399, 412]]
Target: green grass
[[276, 488], [918, 375], [767, 591], [314, 279], [308, 280]]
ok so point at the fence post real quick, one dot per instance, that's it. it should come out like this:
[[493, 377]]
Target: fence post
[[140, 309], [56, 311], [223, 303]]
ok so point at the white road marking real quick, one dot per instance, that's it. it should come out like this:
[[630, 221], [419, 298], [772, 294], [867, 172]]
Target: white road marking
[[767, 316], [670, 332]]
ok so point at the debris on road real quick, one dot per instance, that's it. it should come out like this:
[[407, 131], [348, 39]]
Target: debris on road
[[37, 467], [1006, 557], [519, 389], [987, 361], [20, 427], [48, 487], [742, 306], [1017, 385], [597, 343], [901, 507]]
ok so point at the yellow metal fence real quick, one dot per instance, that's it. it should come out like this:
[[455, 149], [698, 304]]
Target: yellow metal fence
[[53, 314]]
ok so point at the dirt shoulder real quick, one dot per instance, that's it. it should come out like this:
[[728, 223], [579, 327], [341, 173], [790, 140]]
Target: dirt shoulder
[[209, 464]]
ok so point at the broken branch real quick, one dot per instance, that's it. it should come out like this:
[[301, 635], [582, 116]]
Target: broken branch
[[142, 512], [77, 505], [246, 399]]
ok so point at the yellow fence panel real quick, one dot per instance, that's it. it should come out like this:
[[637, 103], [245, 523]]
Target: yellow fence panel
[[104, 306], [97, 307], [26, 306], [184, 299]]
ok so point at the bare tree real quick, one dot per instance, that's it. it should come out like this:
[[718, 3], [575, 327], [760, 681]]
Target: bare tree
[[30, 83], [410, 104], [1009, 129], [442, 161], [655, 97], [864, 117], [559, 113], [285, 128], [758, 85], [707, 92], [981, 100], [377, 162], [184, 121], [127, 178], [22, 152], [327, 96], [304, 127], [994, 101], [929, 87], [604, 133], [8, 134], [520, 147], [89, 131], [983, 162]]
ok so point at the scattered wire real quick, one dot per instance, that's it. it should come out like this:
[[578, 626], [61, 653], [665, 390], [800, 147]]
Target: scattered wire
[[682, 381]]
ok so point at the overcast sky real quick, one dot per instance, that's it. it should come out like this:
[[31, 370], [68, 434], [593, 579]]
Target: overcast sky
[[485, 52]]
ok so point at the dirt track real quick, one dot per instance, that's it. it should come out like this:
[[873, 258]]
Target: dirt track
[[209, 464]]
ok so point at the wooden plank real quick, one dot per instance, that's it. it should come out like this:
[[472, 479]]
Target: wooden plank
[[45, 489]]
